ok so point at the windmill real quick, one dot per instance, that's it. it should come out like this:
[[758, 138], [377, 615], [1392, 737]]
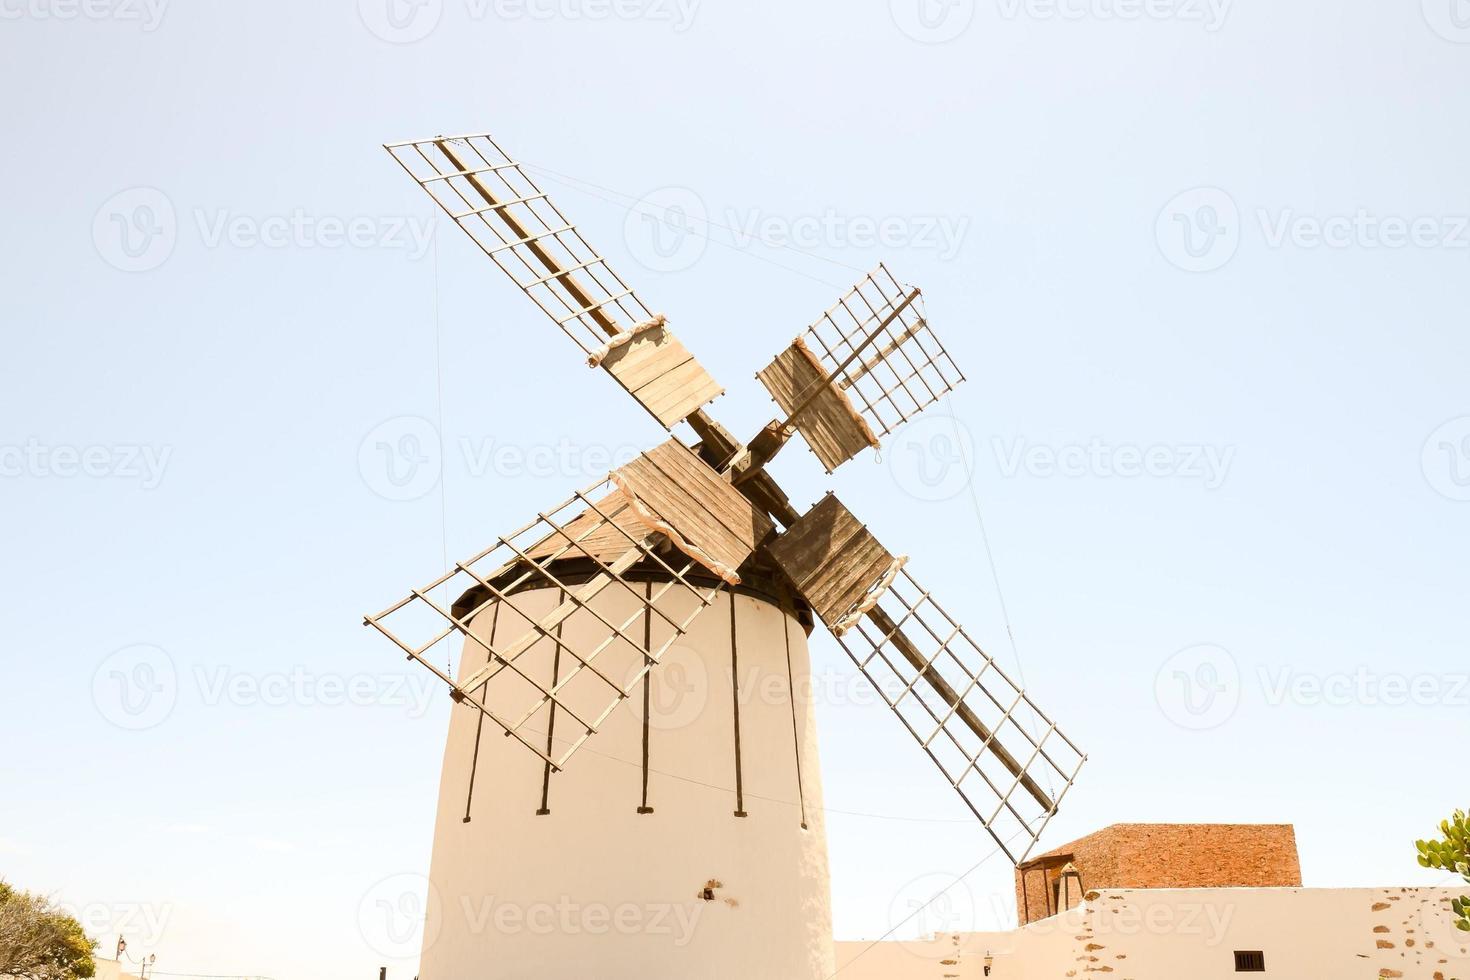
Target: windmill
[[647, 609]]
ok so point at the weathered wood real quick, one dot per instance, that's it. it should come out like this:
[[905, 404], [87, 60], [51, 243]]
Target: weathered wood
[[832, 559], [707, 513], [828, 422]]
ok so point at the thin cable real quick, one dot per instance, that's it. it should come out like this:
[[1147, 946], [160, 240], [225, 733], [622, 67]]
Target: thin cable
[[905, 920], [1000, 595], [1005, 613], [439, 430]]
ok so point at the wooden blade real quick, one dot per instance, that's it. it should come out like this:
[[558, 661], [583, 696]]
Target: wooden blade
[[866, 366], [557, 633], [513, 220], [1007, 760]]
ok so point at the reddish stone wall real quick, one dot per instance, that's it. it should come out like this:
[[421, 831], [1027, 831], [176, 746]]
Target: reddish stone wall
[[1164, 856]]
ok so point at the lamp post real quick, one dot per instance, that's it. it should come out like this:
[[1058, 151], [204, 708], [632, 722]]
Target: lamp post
[[989, 962]]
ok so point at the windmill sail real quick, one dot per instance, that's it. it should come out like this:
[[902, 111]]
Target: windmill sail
[[867, 365], [634, 559], [1007, 760], [516, 224]]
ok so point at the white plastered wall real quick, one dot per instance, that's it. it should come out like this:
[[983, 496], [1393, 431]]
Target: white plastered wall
[[1174, 934], [596, 889]]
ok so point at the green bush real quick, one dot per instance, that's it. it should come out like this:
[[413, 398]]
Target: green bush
[[1449, 854]]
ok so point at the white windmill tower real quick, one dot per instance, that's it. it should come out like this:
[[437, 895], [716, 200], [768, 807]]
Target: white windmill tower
[[666, 609]]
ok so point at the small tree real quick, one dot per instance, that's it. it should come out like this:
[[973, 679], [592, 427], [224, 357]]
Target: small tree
[[1450, 854], [38, 941]]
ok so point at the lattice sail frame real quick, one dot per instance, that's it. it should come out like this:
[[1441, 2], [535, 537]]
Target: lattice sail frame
[[599, 527], [515, 223], [900, 373], [911, 651]]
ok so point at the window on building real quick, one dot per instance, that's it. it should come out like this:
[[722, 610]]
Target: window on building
[[1250, 961]]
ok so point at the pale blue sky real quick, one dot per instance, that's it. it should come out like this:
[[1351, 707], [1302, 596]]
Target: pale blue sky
[[1233, 233]]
